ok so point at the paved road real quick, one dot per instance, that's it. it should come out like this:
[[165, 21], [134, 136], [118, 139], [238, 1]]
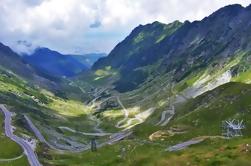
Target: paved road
[[39, 135], [35, 130], [163, 117], [118, 136], [126, 114], [113, 138], [169, 116], [101, 134], [31, 155], [183, 145]]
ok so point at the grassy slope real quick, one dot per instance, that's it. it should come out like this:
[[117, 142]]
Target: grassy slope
[[54, 111], [140, 153], [46, 109], [13, 150], [157, 89], [210, 152], [195, 118], [204, 115]]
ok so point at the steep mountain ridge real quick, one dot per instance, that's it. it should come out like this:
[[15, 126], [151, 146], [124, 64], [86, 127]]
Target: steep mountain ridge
[[141, 39], [13, 62], [191, 46]]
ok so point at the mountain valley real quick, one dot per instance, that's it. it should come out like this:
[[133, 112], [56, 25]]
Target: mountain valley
[[160, 97]]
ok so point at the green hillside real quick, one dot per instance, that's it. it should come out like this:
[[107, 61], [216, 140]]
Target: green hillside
[[164, 86]]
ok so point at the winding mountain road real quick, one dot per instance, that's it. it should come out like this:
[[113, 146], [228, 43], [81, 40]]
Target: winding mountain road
[[118, 136], [31, 155], [163, 117], [38, 133], [167, 116], [100, 134], [126, 114]]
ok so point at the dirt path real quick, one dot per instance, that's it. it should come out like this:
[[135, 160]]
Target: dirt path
[[12, 159]]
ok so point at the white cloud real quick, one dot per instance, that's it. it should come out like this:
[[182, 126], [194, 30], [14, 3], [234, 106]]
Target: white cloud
[[90, 26]]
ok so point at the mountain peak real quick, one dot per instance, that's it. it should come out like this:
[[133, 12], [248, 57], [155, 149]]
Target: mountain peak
[[54, 63], [248, 7], [218, 35], [230, 10], [45, 51], [140, 39], [157, 23]]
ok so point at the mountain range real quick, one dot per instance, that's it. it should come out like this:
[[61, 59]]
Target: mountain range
[[180, 48], [54, 63], [168, 94]]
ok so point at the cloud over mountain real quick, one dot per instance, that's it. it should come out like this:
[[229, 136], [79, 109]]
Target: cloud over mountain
[[80, 26]]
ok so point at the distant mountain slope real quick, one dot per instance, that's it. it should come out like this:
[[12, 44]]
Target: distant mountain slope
[[54, 63], [11, 62], [180, 49], [88, 59], [142, 38]]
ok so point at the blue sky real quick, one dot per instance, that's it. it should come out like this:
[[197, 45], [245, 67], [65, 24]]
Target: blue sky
[[84, 26]]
